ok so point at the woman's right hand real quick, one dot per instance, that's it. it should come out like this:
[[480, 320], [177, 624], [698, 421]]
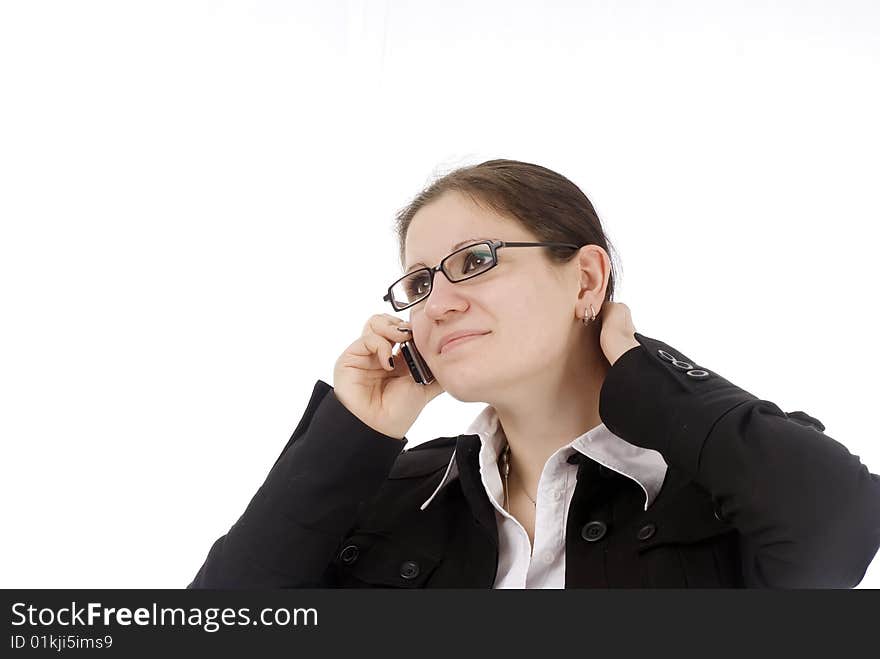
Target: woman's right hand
[[385, 398]]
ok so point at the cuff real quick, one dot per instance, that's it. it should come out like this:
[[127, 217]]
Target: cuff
[[656, 397], [333, 461]]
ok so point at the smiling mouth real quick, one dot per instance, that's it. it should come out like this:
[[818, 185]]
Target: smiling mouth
[[452, 344]]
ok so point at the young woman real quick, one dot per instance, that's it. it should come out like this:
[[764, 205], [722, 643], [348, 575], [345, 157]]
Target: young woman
[[604, 458]]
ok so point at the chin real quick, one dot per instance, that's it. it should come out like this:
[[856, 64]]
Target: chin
[[466, 387], [469, 397]]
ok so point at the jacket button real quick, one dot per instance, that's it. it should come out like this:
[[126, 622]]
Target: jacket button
[[349, 555], [665, 355], [718, 515], [698, 373], [684, 366], [646, 531], [409, 570], [593, 531]]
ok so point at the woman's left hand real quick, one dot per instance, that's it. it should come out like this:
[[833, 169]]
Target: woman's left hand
[[618, 332]]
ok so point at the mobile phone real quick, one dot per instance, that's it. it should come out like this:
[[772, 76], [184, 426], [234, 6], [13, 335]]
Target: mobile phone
[[418, 368]]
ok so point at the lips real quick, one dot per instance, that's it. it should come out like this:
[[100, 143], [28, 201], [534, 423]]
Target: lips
[[458, 337]]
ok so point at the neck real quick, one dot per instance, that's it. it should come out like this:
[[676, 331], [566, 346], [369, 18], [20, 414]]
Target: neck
[[540, 422]]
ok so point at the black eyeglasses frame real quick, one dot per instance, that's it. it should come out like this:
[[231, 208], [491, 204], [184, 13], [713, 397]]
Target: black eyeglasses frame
[[494, 246]]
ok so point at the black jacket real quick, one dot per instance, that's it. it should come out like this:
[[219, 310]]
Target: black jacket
[[753, 497]]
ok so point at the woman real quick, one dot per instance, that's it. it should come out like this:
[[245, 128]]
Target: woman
[[604, 458]]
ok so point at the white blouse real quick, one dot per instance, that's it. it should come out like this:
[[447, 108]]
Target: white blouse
[[520, 565]]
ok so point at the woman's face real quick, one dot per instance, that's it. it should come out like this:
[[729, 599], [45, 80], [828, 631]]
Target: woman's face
[[525, 303]]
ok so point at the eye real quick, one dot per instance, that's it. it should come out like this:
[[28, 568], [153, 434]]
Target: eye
[[416, 286], [476, 259]]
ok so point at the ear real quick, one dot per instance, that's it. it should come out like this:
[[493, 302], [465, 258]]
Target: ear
[[593, 272]]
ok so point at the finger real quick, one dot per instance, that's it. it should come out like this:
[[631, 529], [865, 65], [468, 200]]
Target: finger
[[367, 346], [399, 324], [365, 362], [381, 348], [382, 320], [389, 327], [385, 355], [377, 342]]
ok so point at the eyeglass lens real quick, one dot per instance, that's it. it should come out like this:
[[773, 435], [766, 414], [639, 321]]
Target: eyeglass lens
[[466, 263]]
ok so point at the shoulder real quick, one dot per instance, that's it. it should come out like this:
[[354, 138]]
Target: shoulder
[[424, 459]]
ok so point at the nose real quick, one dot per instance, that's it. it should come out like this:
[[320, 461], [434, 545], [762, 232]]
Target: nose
[[444, 296]]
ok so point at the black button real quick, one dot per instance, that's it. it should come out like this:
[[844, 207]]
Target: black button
[[698, 373], [593, 531], [646, 531], [576, 458], [718, 515], [349, 555], [409, 570]]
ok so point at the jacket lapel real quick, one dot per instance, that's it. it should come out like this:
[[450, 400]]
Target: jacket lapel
[[467, 453]]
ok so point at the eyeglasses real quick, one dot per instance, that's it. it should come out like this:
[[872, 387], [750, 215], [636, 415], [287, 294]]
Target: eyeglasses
[[465, 263]]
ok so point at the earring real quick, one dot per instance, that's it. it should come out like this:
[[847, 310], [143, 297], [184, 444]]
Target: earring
[[592, 316]]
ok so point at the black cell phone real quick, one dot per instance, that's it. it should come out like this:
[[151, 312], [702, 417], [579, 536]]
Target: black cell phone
[[418, 368]]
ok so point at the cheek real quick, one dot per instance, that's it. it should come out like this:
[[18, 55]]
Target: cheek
[[521, 305], [535, 320], [419, 335]]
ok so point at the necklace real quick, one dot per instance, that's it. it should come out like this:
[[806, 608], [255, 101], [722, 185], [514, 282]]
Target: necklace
[[505, 469]]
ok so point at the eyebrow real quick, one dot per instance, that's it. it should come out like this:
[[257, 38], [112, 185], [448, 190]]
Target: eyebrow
[[454, 247]]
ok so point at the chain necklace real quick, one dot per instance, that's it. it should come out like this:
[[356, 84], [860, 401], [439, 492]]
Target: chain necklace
[[505, 469]]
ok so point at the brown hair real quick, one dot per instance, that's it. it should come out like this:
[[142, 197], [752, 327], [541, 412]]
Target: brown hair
[[546, 203]]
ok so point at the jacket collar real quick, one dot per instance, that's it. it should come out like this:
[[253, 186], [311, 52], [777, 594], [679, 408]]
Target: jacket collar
[[644, 466]]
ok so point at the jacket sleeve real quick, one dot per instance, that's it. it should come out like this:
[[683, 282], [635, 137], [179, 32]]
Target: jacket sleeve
[[807, 509], [287, 536]]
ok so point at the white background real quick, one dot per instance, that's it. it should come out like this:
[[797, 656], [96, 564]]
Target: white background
[[197, 199]]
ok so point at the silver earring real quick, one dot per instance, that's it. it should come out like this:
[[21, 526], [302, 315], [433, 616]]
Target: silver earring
[[592, 316]]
